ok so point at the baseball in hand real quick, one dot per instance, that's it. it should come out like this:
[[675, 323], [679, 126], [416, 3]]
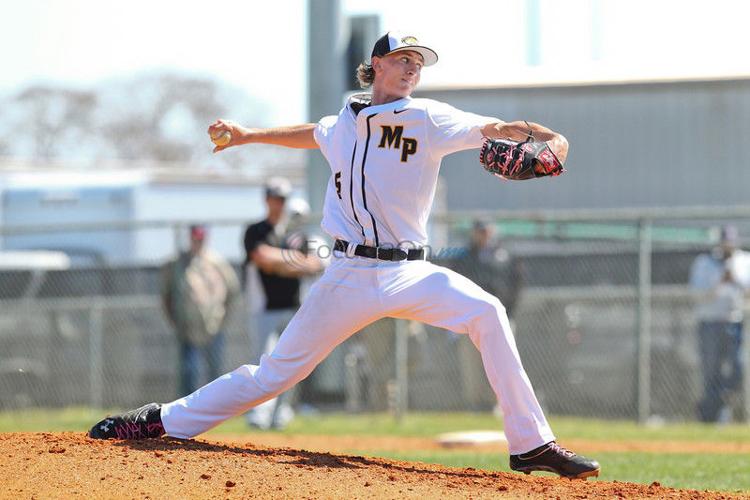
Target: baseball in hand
[[222, 137]]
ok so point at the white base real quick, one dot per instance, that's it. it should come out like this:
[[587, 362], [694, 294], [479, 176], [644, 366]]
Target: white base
[[471, 438]]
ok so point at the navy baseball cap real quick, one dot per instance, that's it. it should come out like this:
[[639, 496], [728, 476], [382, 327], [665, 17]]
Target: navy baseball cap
[[395, 42]]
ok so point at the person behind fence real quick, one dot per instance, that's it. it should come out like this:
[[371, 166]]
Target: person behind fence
[[720, 281], [198, 289], [278, 258], [487, 263]]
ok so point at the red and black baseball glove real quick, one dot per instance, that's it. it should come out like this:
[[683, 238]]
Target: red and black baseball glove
[[519, 160]]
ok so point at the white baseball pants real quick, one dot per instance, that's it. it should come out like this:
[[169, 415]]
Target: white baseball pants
[[352, 293]]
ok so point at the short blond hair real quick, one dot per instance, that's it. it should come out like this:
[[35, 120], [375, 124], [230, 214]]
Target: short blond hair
[[365, 75]]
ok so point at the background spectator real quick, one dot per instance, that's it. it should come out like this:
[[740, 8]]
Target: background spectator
[[720, 280], [198, 289], [278, 257]]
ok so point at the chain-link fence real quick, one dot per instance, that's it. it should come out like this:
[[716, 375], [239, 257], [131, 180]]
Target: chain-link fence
[[602, 312]]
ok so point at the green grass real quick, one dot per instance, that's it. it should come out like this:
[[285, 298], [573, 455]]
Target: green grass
[[607, 430], [715, 471], [49, 420]]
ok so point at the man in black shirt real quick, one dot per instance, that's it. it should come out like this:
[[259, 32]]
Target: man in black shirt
[[277, 259]]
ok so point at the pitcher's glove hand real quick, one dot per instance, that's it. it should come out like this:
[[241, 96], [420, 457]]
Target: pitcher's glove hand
[[519, 160]]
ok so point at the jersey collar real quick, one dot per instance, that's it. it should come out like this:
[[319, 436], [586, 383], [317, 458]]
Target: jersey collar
[[361, 101]]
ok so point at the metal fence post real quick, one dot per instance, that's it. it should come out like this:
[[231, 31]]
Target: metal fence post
[[643, 322], [402, 368], [96, 372], [176, 237], [746, 378]]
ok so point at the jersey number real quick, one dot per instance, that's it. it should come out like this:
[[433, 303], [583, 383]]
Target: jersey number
[[337, 181], [392, 138]]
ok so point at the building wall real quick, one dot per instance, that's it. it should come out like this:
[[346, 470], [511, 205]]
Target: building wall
[[153, 204], [632, 145]]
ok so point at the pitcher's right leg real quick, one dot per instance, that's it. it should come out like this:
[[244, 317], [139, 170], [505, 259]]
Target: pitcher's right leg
[[342, 302], [328, 317]]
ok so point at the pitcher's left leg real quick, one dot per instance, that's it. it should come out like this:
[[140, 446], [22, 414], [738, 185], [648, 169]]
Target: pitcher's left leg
[[445, 299]]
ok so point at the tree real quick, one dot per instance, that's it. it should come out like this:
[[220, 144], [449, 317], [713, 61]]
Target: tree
[[155, 116], [160, 117], [47, 122]]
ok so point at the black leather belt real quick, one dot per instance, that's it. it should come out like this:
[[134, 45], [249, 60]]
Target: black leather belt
[[393, 254]]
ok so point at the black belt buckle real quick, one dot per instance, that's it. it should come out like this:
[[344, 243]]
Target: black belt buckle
[[340, 245]]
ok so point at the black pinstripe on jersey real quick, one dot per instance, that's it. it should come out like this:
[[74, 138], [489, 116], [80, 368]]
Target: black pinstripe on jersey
[[364, 195], [351, 189]]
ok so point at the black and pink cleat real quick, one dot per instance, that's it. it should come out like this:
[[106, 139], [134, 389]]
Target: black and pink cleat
[[142, 423]]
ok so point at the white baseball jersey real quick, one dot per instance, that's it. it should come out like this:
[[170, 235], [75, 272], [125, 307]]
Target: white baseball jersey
[[384, 161]]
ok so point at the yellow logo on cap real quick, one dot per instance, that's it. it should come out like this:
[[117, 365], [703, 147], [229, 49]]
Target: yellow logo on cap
[[409, 40]]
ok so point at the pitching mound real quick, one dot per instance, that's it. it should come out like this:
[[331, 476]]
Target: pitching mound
[[70, 465]]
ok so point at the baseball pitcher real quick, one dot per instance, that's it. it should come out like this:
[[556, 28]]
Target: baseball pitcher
[[385, 149]]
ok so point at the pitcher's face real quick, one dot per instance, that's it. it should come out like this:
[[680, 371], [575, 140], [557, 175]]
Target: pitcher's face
[[398, 73]]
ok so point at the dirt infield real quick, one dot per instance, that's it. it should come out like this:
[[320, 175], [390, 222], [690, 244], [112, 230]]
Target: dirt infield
[[70, 465]]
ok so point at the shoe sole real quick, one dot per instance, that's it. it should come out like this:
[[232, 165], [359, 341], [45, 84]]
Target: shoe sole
[[587, 474], [582, 475]]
